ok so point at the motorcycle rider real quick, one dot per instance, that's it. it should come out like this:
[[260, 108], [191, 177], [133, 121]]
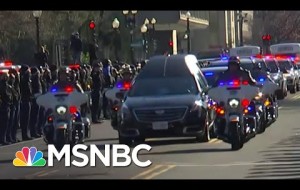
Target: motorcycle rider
[[235, 72]]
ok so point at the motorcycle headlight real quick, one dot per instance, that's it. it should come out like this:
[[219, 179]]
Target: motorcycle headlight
[[61, 110], [234, 103]]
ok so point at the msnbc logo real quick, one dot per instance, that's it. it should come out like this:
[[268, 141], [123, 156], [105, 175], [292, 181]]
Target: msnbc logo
[[29, 157]]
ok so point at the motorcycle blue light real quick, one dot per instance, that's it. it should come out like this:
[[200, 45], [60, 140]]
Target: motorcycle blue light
[[249, 108], [119, 85], [261, 80], [221, 84], [209, 74], [54, 90]]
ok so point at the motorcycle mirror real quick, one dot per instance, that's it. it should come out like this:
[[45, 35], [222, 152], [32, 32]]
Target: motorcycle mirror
[[120, 95]]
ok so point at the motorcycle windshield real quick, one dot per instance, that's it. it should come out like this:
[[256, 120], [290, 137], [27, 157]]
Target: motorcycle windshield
[[51, 100], [233, 91]]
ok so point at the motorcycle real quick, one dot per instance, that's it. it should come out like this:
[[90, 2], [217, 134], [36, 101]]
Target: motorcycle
[[64, 124], [115, 97], [234, 108], [266, 103]]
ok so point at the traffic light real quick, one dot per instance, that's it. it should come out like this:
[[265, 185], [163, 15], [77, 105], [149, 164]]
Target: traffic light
[[266, 37], [92, 25]]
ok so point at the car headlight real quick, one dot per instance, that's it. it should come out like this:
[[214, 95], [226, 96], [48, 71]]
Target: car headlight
[[196, 108], [234, 103], [125, 112], [61, 110]]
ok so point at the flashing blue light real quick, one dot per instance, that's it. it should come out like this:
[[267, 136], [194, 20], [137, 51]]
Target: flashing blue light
[[221, 84], [231, 83], [249, 108], [224, 58], [119, 85], [209, 74], [54, 90], [261, 80]]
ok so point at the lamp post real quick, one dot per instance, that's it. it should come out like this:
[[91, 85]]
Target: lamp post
[[241, 19], [37, 15], [188, 32], [144, 29], [130, 24], [152, 34], [116, 25]]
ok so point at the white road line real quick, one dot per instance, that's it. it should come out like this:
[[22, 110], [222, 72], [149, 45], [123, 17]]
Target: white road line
[[230, 164]]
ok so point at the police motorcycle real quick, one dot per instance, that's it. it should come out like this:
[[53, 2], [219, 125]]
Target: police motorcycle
[[266, 103], [115, 97], [234, 118], [64, 124]]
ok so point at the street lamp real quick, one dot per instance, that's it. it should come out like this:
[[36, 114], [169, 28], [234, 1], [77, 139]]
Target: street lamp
[[37, 15], [117, 45], [241, 19], [188, 32], [116, 24], [144, 29], [130, 23]]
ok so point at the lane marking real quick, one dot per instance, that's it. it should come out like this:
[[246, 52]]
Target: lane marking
[[235, 164], [143, 174], [47, 173], [35, 174], [169, 167]]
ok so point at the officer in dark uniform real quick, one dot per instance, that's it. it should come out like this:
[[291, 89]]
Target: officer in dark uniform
[[235, 72], [45, 85], [15, 83], [36, 91], [97, 86], [54, 73], [6, 101], [26, 96], [11, 130]]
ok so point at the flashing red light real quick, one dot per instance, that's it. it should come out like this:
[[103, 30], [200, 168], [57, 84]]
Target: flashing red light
[[245, 103], [220, 111], [73, 109], [258, 56], [236, 83], [50, 119], [69, 89], [92, 25], [7, 63], [127, 86], [245, 82], [171, 43], [76, 66]]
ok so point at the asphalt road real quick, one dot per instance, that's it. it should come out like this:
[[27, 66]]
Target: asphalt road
[[274, 154]]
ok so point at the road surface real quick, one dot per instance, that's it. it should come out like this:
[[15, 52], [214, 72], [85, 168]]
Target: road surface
[[273, 154]]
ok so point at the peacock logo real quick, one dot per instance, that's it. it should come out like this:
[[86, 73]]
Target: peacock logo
[[29, 157]]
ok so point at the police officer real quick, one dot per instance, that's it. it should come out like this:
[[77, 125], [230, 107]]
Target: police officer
[[45, 80], [26, 96], [97, 86], [36, 91], [6, 100], [235, 72], [15, 83], [107, 72], [11, 130]]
